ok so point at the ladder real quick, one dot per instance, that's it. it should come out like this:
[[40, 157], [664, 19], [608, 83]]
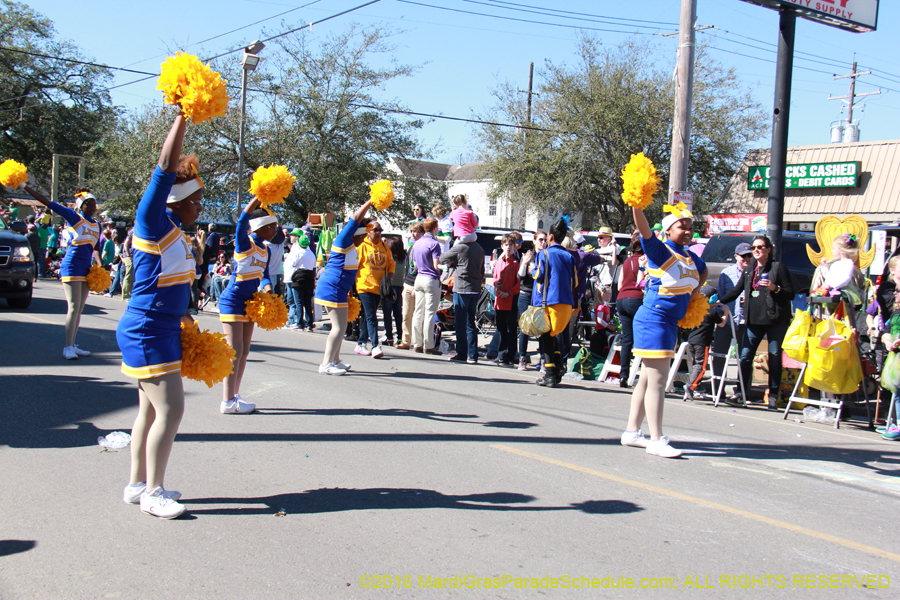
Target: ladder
[[733, 353], [613, 366]]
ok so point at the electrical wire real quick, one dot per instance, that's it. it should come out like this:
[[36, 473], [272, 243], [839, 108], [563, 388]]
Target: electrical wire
[[540, 11], [567, 12]]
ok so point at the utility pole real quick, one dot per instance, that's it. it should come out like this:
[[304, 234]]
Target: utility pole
[[852, 96], [530, 94], [684, 92], [787, 24]]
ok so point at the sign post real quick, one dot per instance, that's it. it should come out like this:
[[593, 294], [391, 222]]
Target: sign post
[[852, 15]]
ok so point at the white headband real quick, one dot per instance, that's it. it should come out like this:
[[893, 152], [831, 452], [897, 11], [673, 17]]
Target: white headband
[[670, 220], [80, 199], [360, 231], [180, 191], [260, 222]]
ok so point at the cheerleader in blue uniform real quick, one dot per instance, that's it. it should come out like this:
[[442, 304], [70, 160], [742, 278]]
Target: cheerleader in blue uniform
[[251, 272], [676, 275], [334, 284], [83, 251], [149, 333]]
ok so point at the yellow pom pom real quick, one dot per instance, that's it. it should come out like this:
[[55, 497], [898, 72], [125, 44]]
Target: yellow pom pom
[[200, 91], [353, 308], [696, 312], [13, 173], [272, 184], [382, 194], [267, 310], [98, 279], [640, 181], [205, 356]]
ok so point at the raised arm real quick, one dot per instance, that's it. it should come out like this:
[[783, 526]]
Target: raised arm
[[171, 150], [360, 213], [642, 224]]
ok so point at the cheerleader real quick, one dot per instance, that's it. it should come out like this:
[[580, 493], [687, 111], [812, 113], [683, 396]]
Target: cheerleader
[[83, 251], [251, 272], [149, 333], [334, 284], [676, 275]]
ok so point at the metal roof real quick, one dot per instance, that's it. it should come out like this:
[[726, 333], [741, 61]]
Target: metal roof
[[876, 198]]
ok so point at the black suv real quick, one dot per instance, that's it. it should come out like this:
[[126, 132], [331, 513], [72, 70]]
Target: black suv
[[719, 255], [17, 267]]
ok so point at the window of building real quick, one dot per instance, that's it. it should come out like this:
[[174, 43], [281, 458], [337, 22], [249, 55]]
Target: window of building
[[492, 208]]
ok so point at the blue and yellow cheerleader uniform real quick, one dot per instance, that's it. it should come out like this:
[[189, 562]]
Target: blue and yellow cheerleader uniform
[[149, 333], [340, 270], [251, 272], [674, 274], [562, 281], [85, 239]]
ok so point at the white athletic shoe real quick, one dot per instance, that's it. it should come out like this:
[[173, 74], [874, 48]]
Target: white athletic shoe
[[69, 353], [80, 352], [341, 365], [331, 369], [361, 349], [236, 406], [376, 352], [132, 494], [158, 504], [662, 448], [634, 438]]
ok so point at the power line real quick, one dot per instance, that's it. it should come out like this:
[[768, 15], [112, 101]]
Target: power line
[[478, 14], [541, 11], [556, 10]]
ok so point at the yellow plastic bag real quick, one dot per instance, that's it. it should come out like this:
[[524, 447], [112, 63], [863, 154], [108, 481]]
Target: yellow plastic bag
[[833, 364], [796, 339]]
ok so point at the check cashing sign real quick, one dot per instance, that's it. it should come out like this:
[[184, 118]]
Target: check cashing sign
[[855, 15], [813, 175]]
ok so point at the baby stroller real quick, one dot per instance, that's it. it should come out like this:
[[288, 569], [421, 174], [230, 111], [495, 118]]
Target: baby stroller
[[485, 318]]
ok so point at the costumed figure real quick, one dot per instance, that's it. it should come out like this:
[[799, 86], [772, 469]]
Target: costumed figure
[[675, 276], [334, 286], [251, 273], [149, 333], [83, 251]]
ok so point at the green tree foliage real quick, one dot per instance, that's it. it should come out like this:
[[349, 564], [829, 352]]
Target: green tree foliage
[[313, 105], [594, 115], [47, 105]]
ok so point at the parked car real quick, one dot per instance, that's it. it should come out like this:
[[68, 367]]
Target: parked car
[[719, 255], [17, 266]]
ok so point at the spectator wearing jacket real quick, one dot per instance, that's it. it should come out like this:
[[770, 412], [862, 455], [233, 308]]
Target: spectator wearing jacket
[[375, 263], [506, 290], [467, 261]]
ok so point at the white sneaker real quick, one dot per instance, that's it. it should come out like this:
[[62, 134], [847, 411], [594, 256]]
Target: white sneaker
[[158, 504], [69, 353], [662, 448], [634, 438], [133, 493], [361, 349], [376, 352], [80, 352], [331, 369], [341, 365], [236, 406]]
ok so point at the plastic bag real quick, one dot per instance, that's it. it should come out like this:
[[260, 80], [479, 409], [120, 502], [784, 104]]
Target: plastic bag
[[835, 367], [115, 440], [796, 340], [890, 374]]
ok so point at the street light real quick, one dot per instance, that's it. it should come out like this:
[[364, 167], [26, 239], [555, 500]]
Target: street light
[[248, 63]]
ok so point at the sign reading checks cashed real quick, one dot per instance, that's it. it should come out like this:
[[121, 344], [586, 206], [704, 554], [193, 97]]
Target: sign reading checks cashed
[[814, 175], [859, 16]]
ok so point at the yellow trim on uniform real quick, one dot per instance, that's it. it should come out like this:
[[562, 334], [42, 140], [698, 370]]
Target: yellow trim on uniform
[[85, 242], [672, 260], [331, 304], [152, 370], [341, 250], [234, 318], [676, 291], [351, 267], [559, 316], [654, 353], [69, 278], [156, 247], [247, 254], [175, 279], [246, 277]]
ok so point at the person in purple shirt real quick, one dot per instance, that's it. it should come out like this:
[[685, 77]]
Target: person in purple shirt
[[426, 252]]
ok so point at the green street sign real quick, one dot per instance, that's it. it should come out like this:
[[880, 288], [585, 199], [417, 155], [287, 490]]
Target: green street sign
[[813, 175]]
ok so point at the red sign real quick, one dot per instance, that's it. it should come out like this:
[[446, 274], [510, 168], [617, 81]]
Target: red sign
[[740, 222]]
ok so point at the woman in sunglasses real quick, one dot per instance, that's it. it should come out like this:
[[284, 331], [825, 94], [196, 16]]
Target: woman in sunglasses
[[766, 286]]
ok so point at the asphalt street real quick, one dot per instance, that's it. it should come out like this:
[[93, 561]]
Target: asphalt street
[[413, 477]]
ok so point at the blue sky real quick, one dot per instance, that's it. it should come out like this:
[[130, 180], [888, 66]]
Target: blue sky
[[463, 56]]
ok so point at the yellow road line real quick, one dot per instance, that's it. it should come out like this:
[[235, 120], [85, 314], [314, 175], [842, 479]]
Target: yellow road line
[[40, 319], [714, 505]]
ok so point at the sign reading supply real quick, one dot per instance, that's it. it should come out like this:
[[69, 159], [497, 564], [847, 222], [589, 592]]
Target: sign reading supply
[[859, 16], [814, 175]]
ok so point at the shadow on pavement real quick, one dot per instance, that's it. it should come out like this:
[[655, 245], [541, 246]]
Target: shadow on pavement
[[394, 412], [42, 343], [34, 409], [8, 547], [341, 499]]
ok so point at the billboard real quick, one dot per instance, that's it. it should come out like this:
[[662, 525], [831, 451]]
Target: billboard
[[859, 16], [811, 175], [739, 222]]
